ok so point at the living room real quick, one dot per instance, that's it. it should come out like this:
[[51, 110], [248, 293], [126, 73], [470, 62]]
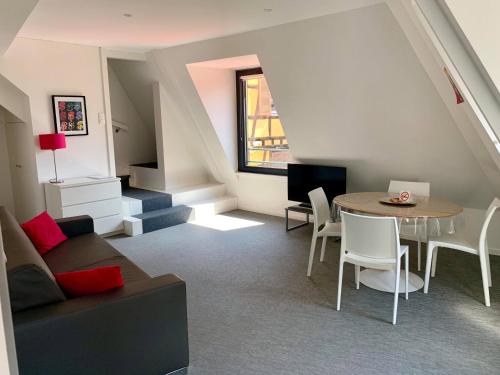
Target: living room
[[160, 167]]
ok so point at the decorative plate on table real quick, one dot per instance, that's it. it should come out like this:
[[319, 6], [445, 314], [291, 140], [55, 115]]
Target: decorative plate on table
[[396, 201]]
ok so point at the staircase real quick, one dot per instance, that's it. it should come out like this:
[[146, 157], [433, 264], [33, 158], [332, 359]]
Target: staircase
[[205, 200], [146, 211]]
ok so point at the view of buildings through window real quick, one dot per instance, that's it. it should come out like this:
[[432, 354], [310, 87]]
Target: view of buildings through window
[[263, 142]]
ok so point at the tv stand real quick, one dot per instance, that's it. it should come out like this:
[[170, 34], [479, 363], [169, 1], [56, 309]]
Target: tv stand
[[304, 208]]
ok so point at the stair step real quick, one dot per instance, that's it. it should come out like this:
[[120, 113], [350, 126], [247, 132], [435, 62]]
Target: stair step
[[210, 207], [189, 194], [153, 165], [151, 200], [164, 218]]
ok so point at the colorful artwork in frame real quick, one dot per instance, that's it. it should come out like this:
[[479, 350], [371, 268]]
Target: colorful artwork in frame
[[70, 115]]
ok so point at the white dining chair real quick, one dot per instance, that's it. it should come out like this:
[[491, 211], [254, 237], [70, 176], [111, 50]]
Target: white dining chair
[[477, 247], [417, 188], [372, 242], [323, 226]]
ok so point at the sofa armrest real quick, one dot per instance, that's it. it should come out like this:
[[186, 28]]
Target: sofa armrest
[[76, 225], [138, 329]]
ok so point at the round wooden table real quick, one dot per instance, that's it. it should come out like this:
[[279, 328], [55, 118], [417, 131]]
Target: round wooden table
[[425, 208]]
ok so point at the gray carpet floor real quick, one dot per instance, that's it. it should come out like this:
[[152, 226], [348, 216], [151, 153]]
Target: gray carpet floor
[[252, 310]]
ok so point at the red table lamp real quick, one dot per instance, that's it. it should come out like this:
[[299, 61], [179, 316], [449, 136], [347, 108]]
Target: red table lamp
[[53, 142]]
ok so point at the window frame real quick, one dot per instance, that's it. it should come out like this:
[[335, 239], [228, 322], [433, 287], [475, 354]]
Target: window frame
[[241, 129]]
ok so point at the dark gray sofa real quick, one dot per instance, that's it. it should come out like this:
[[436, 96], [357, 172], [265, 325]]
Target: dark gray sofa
[[138, 329]]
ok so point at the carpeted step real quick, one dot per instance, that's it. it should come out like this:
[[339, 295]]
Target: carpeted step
[[151, 200], [152, 165], [164, 218]]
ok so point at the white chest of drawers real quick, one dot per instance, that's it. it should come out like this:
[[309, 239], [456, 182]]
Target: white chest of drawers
[[98, 198]]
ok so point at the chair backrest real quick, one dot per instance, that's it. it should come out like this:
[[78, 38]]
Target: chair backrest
[[418, 188], [487, 219], [370, 236], [320, 205]]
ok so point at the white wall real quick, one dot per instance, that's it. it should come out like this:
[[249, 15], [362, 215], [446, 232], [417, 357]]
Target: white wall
[[217, 91], [8, 358], [476, 88], [479, 23], [350, 92], [466, 119], [181, 162], [27, 194], [41, 69], [137, 144], [184, 165], [6, 197], [137, 79]]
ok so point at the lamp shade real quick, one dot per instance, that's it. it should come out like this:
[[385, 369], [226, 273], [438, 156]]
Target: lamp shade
[[52, 141]]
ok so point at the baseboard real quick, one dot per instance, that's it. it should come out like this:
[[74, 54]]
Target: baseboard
[[494, 251], [111, 234]]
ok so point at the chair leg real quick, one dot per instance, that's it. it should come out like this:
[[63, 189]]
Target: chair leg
[[431, 255], [434, 262], [323, 246], [396, 292], [488, 268], [339, 291], [311, 255], [419, 255], [356, 275], [407, 264], [484, 275]]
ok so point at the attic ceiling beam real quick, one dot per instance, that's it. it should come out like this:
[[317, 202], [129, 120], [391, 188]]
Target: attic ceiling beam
[[13, 14]]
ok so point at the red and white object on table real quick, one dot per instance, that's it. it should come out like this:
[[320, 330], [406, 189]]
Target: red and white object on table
[[405, 196]]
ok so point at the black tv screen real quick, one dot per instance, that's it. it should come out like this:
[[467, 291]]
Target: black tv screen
[[303, 178]]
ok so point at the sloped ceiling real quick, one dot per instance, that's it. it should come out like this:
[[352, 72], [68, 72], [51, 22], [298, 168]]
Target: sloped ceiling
[[147, 24], [350, 91], [137, 80], [480, 25], [13, 14]]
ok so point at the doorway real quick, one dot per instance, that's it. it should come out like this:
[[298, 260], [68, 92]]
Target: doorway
[[132, 112]]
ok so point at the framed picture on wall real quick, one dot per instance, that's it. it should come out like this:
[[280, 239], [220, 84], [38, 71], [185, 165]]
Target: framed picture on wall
[[70, 115]]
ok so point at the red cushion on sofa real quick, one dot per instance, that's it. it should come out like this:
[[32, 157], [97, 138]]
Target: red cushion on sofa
[[44, 232], [93, 281]]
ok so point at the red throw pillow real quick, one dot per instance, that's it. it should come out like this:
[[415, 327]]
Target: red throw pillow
[[44, 232], [93, 281]]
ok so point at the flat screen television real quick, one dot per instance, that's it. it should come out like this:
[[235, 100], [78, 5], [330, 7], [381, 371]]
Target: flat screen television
[[303, 178]]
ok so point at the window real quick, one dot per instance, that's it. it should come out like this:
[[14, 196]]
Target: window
[[262, 144]]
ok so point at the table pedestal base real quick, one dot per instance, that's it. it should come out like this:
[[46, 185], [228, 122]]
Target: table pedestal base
[[384, 280]]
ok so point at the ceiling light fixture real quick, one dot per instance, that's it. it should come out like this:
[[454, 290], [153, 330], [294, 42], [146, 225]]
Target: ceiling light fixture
[[128, 15], [268, 10]]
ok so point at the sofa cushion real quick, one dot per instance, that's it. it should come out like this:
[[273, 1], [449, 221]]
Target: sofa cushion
[[30, 281], [76, 225], [89, 251], [44, 232], [91, 281], [79, 251], [130, 272]]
